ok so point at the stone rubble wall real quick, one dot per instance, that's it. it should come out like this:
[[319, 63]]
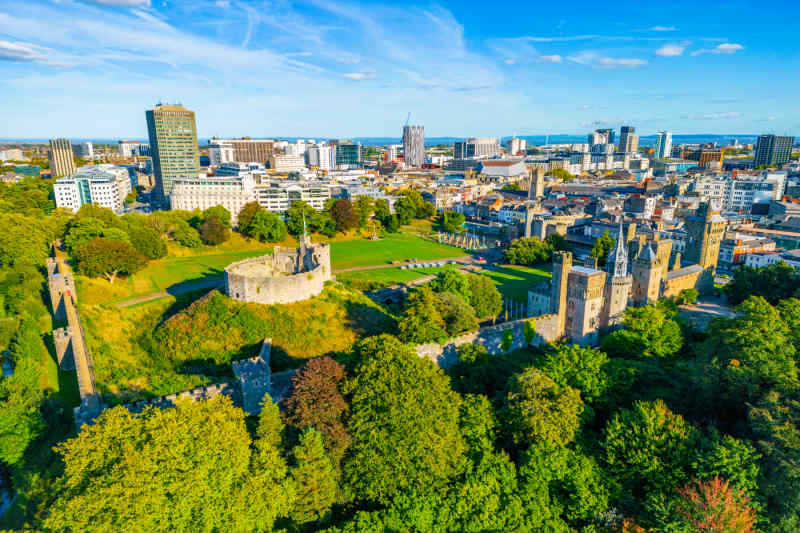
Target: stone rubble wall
[[446, 355]]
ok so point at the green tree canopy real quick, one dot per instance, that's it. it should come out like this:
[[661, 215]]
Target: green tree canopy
[[266, 226], [650, 331], [528, 251], [344, 215], [773, 283], [422, 322], [602, 247], [577, 367], [214, 232], [484, 297], [404, 423], [101, 257], [540, 410], [314, 479]]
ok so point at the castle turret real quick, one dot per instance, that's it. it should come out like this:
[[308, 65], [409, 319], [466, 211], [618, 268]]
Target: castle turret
[[706, 231], [647, 271], [562, 263]]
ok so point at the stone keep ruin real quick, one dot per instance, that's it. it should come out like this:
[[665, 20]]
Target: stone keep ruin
[[288, 275]]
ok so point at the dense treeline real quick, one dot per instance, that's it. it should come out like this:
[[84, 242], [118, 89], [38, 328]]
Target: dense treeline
[[663, 429]]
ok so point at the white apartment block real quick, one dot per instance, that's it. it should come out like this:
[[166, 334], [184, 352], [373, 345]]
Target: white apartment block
[[233, 192], [286, 163], [103, 185], [128, 148], [220, 152], [321, 156], [12, 154]]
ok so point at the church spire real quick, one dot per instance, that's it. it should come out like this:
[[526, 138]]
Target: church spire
[[617, 263]]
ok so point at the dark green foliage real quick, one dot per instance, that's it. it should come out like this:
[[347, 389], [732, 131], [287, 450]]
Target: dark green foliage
[[220, 213], [540, 410], [561, 174], [602, 247], [404, 423], [754, 351], [364, 206], [456, 313], [773, 283], [300, 213], [21, 420], [557, 242], [687, 296], [484, 297], [405, 210], [451, 221], [266, 227], [453, 282], [214, 232], [102, 257], [649, 450], [246, 214], [314, 479], [421, 321], [650, 331], [528, 251], [148, 242], [344, 215], [583, 369]]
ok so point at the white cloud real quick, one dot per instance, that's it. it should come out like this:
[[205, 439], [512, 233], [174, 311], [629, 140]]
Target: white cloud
[[19, 51], [724, 48], [663, 28], [509, 61], [671, 50], [715, 116], [550, 59], [359, 76], [223, 3], [599, 61], [120, 3]]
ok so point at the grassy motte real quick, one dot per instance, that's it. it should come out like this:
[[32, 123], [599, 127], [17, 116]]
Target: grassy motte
[[167, 346]]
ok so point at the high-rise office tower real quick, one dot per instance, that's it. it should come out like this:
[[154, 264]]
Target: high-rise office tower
[[663, 147], [773, 151], [628, 140], [173, 141], [601, 136], [414, 146], [61, 158]]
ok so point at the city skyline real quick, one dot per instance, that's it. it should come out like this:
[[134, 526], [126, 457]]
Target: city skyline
[[349, 69]]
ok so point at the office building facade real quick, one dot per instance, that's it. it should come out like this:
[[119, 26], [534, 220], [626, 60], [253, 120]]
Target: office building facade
[[773, 151], [102, 185], [62, 162], [663, 146], [628, 140], [348, 155], [476, 147], [173, 143], [414, 146]]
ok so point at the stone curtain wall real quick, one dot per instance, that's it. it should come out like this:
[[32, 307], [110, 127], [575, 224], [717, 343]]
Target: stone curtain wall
[[275, 290], [492, 337]]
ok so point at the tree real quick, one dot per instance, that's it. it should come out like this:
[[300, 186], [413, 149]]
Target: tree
[[458, 316], [773, 283], [602, 246], [188, 468], [344, 215], [528, 251], [729, 458], [511, 187], [246, 214], [364, 206], [754, 350], [715, 507], [789, 310], [317, 402], [557, 242], [404, 423], [101, 257], [561, 174], [650, 331], [266, 226], [484, 297], [577, 367], [405, 209], [687, 296], [300, 215], [451, 221], [382, 211], [314, 479], [540, 410], [214, 232], [220, 213], [452, 281], [147, 242], [392, 224], [21, 395], [422, 322], [648, 449]]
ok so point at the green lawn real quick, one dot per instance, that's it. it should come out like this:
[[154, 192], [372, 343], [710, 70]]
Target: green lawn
[[392, 247], [387, 277], [514, 281]]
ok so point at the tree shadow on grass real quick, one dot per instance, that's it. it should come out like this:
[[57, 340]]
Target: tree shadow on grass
[[368, 320]]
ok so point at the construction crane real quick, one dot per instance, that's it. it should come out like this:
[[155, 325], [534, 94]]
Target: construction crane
[[408, 117]]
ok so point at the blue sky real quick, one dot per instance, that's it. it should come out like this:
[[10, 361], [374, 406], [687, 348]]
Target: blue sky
[[330, 68]]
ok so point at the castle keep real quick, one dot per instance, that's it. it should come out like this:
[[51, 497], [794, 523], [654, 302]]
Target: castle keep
[[288, 275]]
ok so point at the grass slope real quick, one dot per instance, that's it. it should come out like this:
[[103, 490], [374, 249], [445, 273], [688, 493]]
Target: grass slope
[[139, 354], [393, 247], [514, 281]]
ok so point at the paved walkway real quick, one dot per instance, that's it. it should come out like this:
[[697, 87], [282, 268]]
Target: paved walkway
[[701, 313]]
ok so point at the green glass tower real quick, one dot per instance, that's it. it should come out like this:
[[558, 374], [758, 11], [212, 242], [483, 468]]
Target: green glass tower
[[773, 151], [173, 143]]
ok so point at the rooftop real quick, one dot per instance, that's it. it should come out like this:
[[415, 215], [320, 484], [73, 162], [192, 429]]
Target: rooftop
[[586, 271]]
